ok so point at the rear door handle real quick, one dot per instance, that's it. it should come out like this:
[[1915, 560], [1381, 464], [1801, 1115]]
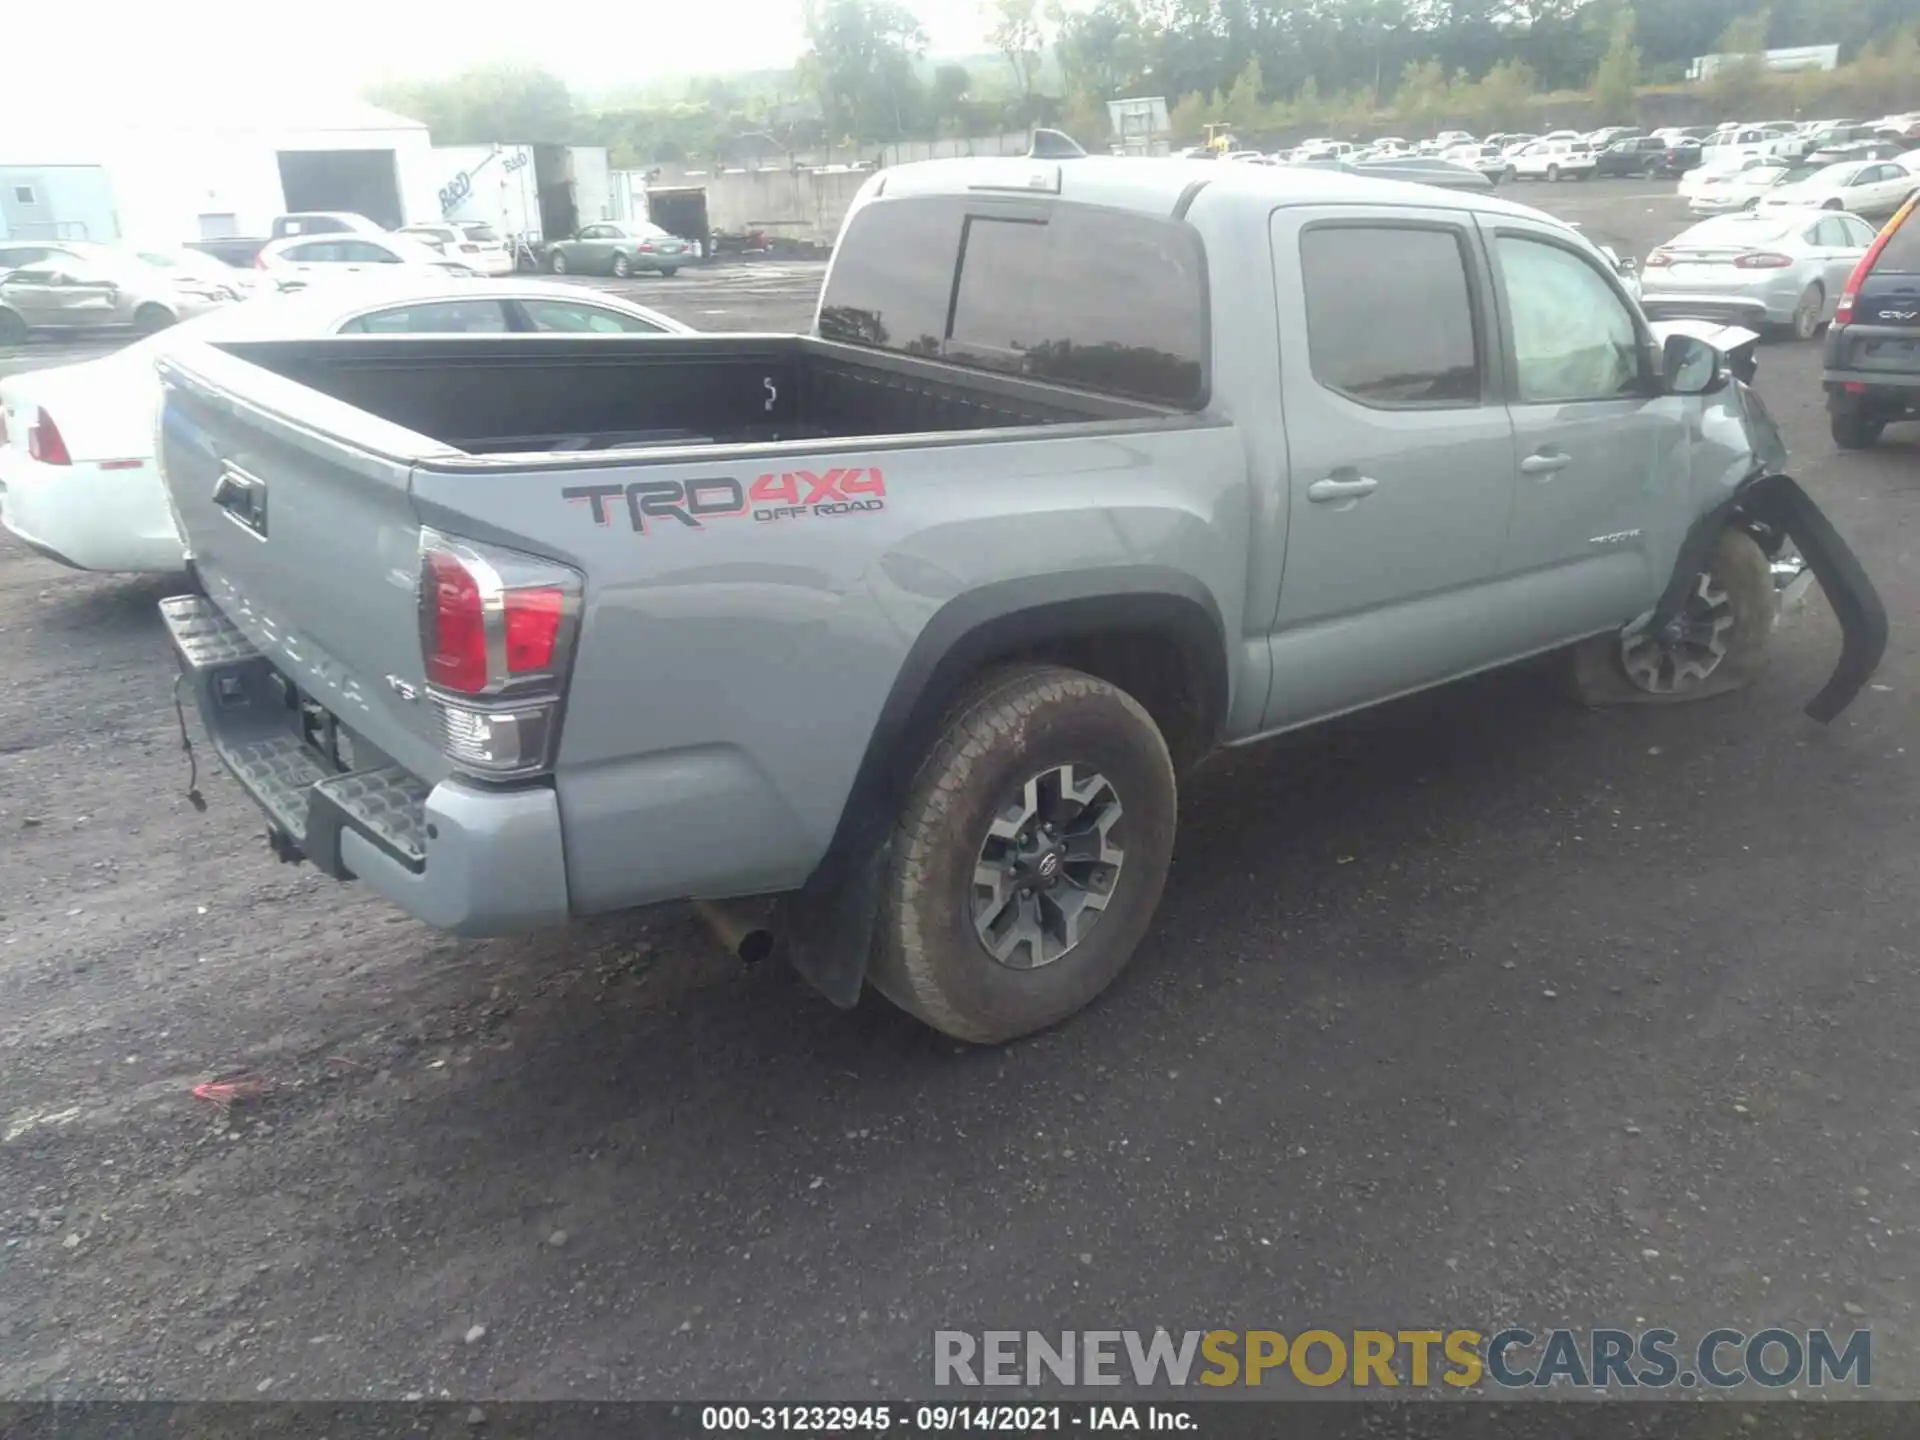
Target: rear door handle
[[1545, 462], [1321, 491]]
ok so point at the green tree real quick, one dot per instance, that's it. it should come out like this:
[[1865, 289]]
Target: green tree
[[951, 86], [1425, 95], [1020, 33], [859, 64], [1616, 84], [1740, 83], [488, 104], [1244, 105]]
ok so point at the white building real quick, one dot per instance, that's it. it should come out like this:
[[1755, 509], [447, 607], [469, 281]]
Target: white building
[[223, 168]]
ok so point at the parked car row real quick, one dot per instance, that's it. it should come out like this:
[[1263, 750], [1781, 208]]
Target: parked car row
[[74, 286]]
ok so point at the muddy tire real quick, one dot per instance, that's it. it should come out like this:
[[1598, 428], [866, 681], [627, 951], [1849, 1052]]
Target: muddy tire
[[1854, 430], [1727, 622], [1029, 856]]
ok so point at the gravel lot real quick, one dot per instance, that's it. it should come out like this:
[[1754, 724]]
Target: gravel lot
[[1476, 1010]]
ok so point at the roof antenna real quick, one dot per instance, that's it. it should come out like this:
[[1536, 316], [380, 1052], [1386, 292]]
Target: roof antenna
[[1054, 145]]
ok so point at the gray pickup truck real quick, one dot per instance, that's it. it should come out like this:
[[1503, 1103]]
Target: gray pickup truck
[[1088, 468]]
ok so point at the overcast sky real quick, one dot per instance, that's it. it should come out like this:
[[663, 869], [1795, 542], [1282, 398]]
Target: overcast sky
[[210, 46]]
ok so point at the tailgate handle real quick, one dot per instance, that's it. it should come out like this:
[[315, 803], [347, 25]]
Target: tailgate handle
[[243, 497]]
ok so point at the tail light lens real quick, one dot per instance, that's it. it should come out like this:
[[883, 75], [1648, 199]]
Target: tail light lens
[[469, 249], [1763, 260], [1843, 312], [1658, 260], [496, 635], [45, 443]]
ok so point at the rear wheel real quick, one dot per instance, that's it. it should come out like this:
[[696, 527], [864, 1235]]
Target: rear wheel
[[152, 319], [1553, 174], [1510, 173], [1029, 857], [557, 262], [667, 272], [1856, 430], [13, 330], [622, 267], [1832, 205], [1806, 315]]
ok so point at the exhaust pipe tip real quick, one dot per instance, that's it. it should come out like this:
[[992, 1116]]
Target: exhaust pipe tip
[[739, 933]]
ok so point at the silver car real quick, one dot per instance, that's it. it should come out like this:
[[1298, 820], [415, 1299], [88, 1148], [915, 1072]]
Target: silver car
[[82, 289], [1782, 268]]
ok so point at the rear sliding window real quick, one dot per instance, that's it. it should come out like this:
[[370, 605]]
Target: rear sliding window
[[1902, 250], [1105, 300]]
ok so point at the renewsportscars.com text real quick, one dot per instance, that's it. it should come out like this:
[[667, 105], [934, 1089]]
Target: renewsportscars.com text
[[1509, 1359]]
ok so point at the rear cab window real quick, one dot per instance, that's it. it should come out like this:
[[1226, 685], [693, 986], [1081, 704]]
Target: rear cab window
[[1100, 299]]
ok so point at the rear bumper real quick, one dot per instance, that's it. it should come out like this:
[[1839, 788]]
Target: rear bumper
[[88, 517], [468, 858], [1706, 305]]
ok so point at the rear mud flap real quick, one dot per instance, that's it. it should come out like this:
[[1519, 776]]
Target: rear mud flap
[[1778, 502]]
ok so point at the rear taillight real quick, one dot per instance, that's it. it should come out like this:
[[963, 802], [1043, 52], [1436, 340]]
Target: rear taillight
[[496, 636], [1762, 260], [45, 443], [1843, 312], [469, 249], [1658, 260]]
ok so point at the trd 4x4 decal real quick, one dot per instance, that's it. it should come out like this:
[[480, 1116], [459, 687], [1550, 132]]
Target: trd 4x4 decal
[[789, 495]]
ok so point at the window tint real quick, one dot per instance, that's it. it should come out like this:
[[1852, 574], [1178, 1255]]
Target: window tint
[[573, 318], [1573, 338], [360, 252], [1859, 232], [324, 252], [1103, 299], [452, 317], [1389, 315]]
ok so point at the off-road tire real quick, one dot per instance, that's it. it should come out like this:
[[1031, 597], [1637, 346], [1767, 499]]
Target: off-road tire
[[1593, 673], [1015, 722], [1855, 430]]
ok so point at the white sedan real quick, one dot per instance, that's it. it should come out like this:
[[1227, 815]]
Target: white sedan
[[467, 242], [312, 257], [1865, 187], [77, 475], [1782, 268]]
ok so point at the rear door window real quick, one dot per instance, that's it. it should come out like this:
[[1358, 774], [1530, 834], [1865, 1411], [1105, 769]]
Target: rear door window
[[1106, 300], [1390, 318]]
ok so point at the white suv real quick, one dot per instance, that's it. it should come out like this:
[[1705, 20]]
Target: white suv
[[1550, 160]]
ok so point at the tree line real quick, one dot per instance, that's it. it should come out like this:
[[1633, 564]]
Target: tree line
[[865, 77]]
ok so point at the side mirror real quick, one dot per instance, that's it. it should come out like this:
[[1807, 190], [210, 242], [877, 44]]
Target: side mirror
[[1691, 367]]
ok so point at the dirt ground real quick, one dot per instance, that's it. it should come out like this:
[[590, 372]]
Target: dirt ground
[[1477, 1010]]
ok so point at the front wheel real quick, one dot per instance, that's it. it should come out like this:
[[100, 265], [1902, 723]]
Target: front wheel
[[1833, 205], [1717, 643], [1029, 857]]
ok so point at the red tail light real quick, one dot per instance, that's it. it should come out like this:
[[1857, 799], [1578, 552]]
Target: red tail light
[[260, 262], [1658, 260], [456, 625], [1762, 260], [1843, 312], [469, 249], [496, 636], [45, 443]]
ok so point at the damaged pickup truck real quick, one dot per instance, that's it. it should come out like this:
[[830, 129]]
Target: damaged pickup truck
[[1089, 467]]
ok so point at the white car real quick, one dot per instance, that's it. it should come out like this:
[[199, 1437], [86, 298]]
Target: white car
[[1487, 159], [331, 256], [1865, 187], [1550, 160], [77, 475], [1742, 142], [469, 243], [1720, 192], [1785, 268], [1707, 175]]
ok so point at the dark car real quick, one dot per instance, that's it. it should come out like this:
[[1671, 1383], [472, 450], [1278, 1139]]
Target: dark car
[[1637, 155], [1873, 346]]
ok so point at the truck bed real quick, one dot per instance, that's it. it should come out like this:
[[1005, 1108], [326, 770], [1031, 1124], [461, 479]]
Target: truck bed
[[541, 393]]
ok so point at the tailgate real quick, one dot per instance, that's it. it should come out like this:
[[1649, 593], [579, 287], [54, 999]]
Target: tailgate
[[295, 510]]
